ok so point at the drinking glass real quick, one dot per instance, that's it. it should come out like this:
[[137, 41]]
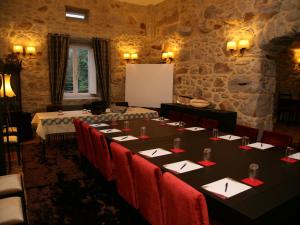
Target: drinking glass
[[60, 112], [176, 143], [253, 170], [162, 120], [289, 151], [245, 141], [126, 124], [84, 111], [215, 133], [143, 131], [114, 121], [206, 154], [181, 124]]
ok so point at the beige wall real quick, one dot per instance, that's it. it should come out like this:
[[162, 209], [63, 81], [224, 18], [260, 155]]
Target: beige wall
[[196, 30]]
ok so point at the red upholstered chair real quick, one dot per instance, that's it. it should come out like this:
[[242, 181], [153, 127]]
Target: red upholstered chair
[[277, 139], [89, 146], [250, 132], [190, 119], [122, 159], [209, 123], [103, 161], [174, 115], [79, 137], [147, 178], [182, 204]]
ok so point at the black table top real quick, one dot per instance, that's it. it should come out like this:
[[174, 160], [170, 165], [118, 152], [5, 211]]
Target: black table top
[[254, 206]]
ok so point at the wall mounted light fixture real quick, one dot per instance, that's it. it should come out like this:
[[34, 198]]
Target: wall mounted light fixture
[[21, 50], [130, 57], [167, 57], [241, 45]]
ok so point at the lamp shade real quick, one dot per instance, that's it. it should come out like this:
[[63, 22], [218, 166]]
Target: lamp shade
[[164, 55], [134, 56], [18, 49], [244, 44], [171, 54], [8, 89], [30, 50], [231, 45], [126, 56]]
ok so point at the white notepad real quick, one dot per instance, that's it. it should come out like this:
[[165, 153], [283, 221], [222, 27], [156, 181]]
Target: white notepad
[[182, 166], [125, 138], [195, 128], [295, 156], [230, 137], [158, 119], [173, 124], [233, 187], [99, 125], [155, 152], [260, 145], [108, 131]]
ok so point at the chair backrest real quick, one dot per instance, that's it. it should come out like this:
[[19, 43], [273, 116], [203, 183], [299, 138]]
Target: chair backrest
[[276, 139], [181, 203], [147, 178], [89, 147], [103, 161], [209, 123], [122, 159], [174, 115], [79, 137], [190, 119], [250, 132]]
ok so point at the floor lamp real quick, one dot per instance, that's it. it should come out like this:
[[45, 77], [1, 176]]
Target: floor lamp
[[6, 92]]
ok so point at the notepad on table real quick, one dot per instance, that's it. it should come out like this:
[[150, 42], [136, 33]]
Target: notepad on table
[[159, 119], [260, 145], [230, 137], [174, 124], [226, 187], [182, 166], [155, 152], [125, 138], [295, 156], [99, 125], [195, 128], [108, 131]]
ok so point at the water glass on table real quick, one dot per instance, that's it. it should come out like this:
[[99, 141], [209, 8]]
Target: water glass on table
[[215, 132], [245, 141], [114, 121], [206, 154], [253, 170], [143, 131], [126, 125], [289, 151], [176, 143]]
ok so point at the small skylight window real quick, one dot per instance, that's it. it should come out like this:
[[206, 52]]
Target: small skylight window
[[75, 13]]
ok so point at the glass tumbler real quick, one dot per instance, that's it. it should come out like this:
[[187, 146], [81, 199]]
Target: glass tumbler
[[245, 141], [215, 133], [289, 151], [126, 124], [253, 170], [206, 154], [143, 131], [176, 143], [181, 124], [162, 120], [114, 121]]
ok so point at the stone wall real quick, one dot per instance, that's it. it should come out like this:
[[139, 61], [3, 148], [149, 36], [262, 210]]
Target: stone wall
[[28, 23], [197, 31]]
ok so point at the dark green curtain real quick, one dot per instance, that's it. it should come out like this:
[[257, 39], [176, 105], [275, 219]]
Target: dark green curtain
[[102, 58], [58, 49]]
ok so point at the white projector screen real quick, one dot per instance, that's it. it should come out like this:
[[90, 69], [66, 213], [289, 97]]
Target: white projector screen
[[149, 85]]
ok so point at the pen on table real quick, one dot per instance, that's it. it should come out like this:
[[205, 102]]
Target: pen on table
[[261, 144], [229, 136], [108, 130], [226, 186], [183, 166], [124, 137], [154, 152]]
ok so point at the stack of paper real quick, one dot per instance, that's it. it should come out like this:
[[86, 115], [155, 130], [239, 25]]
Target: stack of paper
[[182, 166], [230, 137], [195, 128], [226, 187], [108, 131], [260, 145], [155, 152], [159, 119], [125, 138], [295, 156], [99, 125], [174, 124]]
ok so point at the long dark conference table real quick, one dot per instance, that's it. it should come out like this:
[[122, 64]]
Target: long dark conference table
[[271, 203]]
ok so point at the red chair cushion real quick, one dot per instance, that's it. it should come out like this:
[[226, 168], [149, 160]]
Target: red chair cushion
[[209, 123], [174, 115], [276, 139], [181, 203], [89, 147], [103, 161], [79, 137], [147, 177], [122, 159], [250, 132], [190, 119]]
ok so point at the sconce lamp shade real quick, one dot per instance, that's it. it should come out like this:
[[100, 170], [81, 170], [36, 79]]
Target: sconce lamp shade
[[164, 55], [134, 56], [8, 89], [231, 46], [126, 56], [298, 60], [171, 55], [30, 50], [18, 49], [244, 44]]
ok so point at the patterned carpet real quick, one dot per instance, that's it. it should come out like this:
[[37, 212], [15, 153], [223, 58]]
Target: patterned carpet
[[62, 191]]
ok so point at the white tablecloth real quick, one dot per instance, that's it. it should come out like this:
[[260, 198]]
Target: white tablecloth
[[53, 123]]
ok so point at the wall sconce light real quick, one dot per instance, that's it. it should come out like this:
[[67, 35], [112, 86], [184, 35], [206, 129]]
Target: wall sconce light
[[6, 86], [18, 49], [298, 61], [132, 57], [21, 50], [241, 45], [30, 50], [167, 57]]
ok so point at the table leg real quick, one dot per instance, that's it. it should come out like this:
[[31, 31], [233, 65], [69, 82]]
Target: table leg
[[43, 152]]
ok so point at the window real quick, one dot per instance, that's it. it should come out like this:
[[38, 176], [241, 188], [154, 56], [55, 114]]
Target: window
[[81, 76], [76, 13]]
